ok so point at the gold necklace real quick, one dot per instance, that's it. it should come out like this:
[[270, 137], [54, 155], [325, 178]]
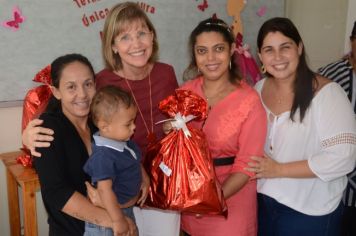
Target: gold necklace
[[284, 99], [208, 98], [218, 94], [151, 137], [279, 100], [279, 96]]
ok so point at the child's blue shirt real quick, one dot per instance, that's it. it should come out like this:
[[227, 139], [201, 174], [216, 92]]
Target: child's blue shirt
[[118, 161]]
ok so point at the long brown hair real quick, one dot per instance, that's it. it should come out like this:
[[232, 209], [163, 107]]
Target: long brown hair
[[306, 78]]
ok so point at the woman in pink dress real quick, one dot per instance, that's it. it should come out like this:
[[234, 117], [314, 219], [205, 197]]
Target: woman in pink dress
[[235, 130]]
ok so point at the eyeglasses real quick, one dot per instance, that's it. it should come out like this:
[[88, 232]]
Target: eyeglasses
[[142, 36]]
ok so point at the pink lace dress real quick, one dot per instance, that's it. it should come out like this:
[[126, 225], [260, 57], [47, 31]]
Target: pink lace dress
[[236, 126]]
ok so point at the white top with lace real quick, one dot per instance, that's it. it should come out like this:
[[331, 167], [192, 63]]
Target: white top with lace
[[326, 138]]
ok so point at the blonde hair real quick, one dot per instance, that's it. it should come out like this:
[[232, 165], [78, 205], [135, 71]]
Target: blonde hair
[[118, 19], [107, 102]]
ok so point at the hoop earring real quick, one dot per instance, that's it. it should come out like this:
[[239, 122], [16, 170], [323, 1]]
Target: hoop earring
[[263, 69], [230, 65], [198, 70]]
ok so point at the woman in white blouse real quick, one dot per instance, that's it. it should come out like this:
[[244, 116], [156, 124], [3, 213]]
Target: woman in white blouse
[[311, 140]]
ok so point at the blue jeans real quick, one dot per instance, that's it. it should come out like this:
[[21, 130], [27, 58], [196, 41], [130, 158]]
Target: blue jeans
[[276, 219], [97, 230], [348, 224]]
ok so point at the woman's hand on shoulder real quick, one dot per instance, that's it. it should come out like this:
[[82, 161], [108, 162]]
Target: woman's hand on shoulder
[[34, 136]]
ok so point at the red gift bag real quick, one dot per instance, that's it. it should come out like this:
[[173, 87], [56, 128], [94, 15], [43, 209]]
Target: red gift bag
[[34, 104], [180, 167]]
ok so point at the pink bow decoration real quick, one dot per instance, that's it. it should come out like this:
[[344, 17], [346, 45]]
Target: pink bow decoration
[[244, 50], [245, 61]]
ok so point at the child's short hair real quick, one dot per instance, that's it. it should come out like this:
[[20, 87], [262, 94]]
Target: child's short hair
[[106, 103]]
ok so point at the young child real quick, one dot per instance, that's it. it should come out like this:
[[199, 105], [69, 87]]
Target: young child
[[114, 165]]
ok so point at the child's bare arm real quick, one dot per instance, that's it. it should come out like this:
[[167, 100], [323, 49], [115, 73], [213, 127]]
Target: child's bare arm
[[95, 198], [109, 201], [144, 187]]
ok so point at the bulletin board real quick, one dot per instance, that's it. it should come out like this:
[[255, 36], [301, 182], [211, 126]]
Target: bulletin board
[[33, 33]]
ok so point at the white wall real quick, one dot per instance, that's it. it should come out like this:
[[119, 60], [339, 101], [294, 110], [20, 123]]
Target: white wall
[[10, 140], [322, 25]]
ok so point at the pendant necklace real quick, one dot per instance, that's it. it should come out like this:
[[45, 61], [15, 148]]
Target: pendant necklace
[[210, 99], [216, 96], [151, 137]]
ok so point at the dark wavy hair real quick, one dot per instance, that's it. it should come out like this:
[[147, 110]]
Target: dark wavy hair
[[306, 78], [57, 67], [210, 25]]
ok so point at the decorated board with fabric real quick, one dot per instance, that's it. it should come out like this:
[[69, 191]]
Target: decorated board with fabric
[[33, 33]]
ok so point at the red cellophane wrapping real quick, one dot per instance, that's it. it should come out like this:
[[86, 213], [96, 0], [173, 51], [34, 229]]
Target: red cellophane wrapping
[[34, 104], [192, 185]]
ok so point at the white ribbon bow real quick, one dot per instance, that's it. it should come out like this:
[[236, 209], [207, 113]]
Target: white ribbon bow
[[180, 123]]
